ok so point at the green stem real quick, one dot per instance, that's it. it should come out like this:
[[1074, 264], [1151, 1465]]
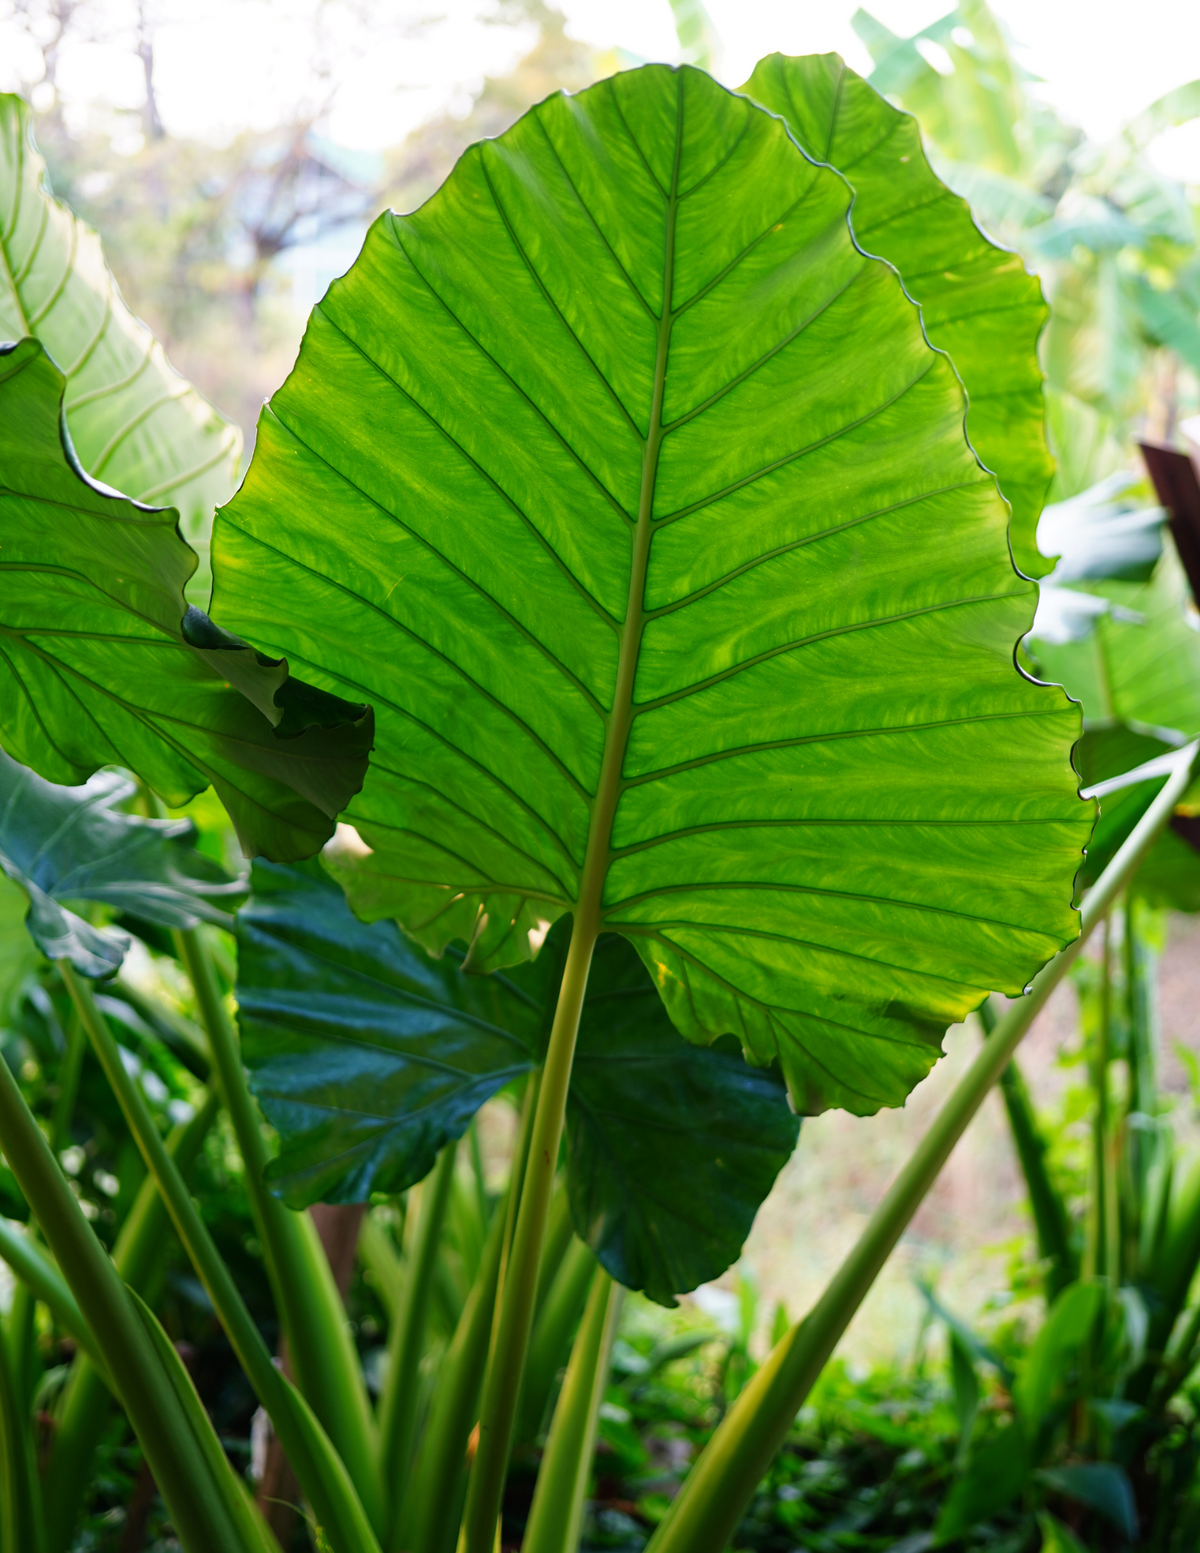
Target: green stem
[[321, 1473], [502, 1383], [21, 1525], [85, 1402], [430, 1522], [714, 1496], [1051, 1216], [552, 1329], [321, 1351], [398, 1405], [556, 1515], [44, 1282], [164, 1431], [519, 1290]]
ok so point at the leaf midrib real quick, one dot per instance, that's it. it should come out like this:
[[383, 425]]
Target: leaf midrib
[[598, 857]]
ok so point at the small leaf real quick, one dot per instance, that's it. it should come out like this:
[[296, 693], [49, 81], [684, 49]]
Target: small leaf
[[1102, 1486], [103, 663], [73, 843], [1049, 1369], [995, 1476], [367, 1057]]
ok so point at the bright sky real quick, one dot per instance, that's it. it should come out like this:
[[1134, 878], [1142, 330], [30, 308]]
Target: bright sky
[[1102, 61]]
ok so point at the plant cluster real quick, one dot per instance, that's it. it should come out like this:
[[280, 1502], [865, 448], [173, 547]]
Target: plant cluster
[[621, 601]]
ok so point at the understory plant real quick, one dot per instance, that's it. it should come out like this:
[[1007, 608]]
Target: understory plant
[[625, 569]]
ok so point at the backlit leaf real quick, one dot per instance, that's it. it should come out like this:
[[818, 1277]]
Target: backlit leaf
[[631, 494]]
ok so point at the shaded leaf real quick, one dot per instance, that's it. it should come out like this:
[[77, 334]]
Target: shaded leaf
[[73, 843], [367, 1057], [134, 422], [1102, 1486], [977, 301], [660, 545], [103, 663]]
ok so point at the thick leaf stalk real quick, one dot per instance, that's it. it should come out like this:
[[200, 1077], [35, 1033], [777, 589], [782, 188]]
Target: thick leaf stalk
[[401, 1395], [195, 1503], [321, 1472], [556, 1516], [85, 1401], [514, 1317], [715, 1494], [314, 1318]]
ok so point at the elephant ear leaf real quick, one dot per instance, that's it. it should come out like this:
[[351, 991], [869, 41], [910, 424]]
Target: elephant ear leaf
[[134, 422], [368, 1057], [684, 602], [103, 663], [977, 300], [70, 844]]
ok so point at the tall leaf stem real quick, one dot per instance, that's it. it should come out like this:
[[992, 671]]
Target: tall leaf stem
[[518, 1292], [322, 1354], [84, 1403], [321, 1472], [163, 1429], [22, 1529], [556, 1515], [401, 1394], [44, 1282], [430, 1520], [502, 1383], [714, 1496]]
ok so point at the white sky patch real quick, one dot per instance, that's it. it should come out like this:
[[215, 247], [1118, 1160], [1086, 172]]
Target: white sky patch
[[224, 65]]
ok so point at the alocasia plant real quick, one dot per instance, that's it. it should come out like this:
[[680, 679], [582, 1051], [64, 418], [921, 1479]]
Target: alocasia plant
[[683, 602], [624, 482]]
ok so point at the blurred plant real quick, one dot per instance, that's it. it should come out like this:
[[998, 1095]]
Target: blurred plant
[[1115, 241]]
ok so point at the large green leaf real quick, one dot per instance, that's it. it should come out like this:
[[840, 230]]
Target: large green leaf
[[368, 1057], [632, 495], [69, 844], [103, 663], [977, 301], [136, 424]]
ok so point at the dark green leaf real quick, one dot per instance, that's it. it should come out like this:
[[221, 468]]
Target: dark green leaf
[[103, 663], [682, 598], [977, 301], [73, 843], [995, 1476], [1102, 1486], [368, 1057], [134, 422]]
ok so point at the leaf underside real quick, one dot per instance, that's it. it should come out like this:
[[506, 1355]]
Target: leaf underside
[[69, 844], [135, 423], [102, 663], [977, 301], [368, 1058], [631, 494]]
